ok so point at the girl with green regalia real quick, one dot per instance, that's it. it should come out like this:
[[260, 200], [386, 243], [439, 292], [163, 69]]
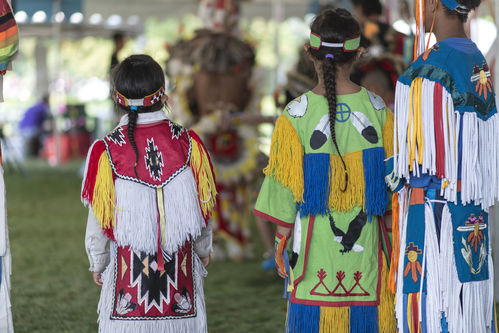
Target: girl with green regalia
[[325, 185]]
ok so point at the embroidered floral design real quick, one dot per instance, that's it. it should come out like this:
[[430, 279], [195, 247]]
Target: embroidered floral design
[[154, 160], [413, 265], [340, 290], [125, 304], [482, 78], [475, 241], [183, 302]]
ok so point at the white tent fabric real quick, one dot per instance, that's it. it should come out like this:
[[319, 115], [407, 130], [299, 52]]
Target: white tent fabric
[[178, 8]]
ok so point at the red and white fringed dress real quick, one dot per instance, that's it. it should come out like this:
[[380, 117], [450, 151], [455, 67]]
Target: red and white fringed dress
[[156, 220]]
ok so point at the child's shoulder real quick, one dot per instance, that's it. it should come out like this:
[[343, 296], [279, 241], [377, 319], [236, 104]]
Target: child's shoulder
[[376, 101], [298, 107]]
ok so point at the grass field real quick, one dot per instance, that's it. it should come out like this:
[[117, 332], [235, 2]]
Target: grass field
[[52, 290]]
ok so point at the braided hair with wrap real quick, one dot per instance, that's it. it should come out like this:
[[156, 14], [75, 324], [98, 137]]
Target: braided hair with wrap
[[334, 26], [136, 77]]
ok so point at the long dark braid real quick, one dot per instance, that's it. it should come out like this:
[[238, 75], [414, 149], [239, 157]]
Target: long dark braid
[[136, 77], [132, 122], [334, 26], [329, 76]]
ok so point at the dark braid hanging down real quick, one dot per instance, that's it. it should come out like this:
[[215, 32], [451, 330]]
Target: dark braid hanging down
[[334, 26], [132, 122], [136, 77], [329, 73]]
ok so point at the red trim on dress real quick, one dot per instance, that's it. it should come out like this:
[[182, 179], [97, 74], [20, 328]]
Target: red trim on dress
[[98, 149], [439, 131], [272, 219]]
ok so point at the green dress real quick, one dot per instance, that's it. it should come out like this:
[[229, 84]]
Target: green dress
[[339, 267]]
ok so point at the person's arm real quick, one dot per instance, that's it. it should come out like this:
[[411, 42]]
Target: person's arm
[[203, 244], [96, 245], [282, 235]]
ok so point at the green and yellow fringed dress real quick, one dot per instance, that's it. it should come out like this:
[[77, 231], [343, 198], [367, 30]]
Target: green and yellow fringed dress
[[339, 266]]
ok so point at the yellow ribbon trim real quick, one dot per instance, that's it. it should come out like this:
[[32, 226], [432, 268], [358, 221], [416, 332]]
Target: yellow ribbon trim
[[388, 134], [415, 126], [334, 319], [207, 189], [161, 210], [103, 203], [286, 158]]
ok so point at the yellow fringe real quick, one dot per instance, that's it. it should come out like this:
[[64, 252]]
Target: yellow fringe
[[392, 282], [207, 189], [415, 128], [103, 203], [495, 314], [286, 158], [386, 314], [354, 194], [334, 319], [388, 134]]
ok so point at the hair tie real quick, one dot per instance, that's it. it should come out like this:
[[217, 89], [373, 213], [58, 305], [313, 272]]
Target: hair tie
[[330, 56], [133, 107]]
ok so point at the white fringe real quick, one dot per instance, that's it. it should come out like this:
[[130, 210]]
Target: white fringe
[[433, 273], [429, 152], [187, 325], [451, 287], [401, 154], [480, 158], [404, 196], [137, 216]]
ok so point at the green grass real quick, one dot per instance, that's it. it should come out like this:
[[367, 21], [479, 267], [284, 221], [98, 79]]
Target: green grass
[[52, 289]]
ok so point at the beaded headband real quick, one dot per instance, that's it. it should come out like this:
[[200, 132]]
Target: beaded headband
[[134, 103], [349, 45]]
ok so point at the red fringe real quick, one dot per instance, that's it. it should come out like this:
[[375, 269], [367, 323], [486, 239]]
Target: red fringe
[[87, 192], [439, 131]]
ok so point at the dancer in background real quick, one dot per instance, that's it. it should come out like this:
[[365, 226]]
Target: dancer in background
[[446, 148], [325, 183], [151, 190], [217, 95]]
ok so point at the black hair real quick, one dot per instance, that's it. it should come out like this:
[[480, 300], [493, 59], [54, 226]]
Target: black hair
[[369, 7], [468, 4], [334, 26], [118, 36], [137, 77]]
